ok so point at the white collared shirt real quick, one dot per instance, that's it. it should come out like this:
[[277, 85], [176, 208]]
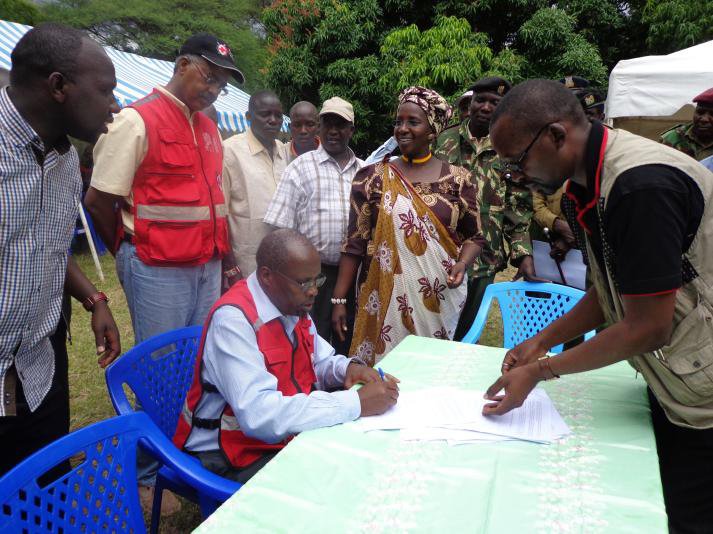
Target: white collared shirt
[[313, 198], [235, 366]]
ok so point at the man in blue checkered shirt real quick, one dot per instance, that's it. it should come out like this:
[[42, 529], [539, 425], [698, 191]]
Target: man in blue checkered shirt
[[61, 84]]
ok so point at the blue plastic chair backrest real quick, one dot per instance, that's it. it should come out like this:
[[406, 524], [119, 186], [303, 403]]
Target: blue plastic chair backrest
[[99, 494], [526, 309], [159, 371]]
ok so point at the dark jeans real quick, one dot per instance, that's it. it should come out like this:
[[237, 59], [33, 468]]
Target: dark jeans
[[686, 465], [216, 462], [322, 311], [476, 290], [25, 433]]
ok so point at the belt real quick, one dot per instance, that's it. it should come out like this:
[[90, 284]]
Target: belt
[[129, 238]]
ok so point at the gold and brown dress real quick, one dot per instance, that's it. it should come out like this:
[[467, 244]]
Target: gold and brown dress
[[408, 236]]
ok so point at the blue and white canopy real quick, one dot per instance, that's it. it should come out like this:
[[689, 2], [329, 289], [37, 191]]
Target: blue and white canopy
[[137, 76]]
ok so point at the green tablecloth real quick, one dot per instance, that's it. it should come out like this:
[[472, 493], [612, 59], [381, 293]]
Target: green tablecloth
[[603, 478]]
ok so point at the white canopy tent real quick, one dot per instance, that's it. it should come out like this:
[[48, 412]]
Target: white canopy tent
[[137, 76], [648, 95]]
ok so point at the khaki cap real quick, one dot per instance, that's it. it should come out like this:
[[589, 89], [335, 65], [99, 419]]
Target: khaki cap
[[338, 106]]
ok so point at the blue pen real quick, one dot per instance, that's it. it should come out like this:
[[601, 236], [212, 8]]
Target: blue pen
[[381, 374]]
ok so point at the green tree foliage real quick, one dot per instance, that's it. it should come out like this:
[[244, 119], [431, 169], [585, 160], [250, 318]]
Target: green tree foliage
[[676, 24], [156, 28], [20, 11]]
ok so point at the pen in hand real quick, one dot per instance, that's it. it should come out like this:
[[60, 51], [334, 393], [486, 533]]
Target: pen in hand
[[381, 374]]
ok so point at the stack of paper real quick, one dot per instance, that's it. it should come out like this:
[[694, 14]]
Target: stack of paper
[[456, 416]]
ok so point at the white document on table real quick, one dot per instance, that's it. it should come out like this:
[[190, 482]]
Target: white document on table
[[456, 416], [573, 266]]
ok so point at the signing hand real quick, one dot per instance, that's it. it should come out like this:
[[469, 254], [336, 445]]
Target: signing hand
[[526, 352], [106, 334], [377, 397], [456, 274], [517, 385], [527, 270], [362, 374]]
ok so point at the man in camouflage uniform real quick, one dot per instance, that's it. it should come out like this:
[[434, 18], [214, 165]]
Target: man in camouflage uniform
[[694, 138], [505, 208]]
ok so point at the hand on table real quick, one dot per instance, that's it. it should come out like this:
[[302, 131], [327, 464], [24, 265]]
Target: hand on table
[[377, 397], [363, 374], [517, 385], [528, 351]]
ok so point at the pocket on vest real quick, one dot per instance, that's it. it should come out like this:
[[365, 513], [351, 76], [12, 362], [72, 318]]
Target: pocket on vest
[[175, 242], [171, 188], [690, 354], [176, 150]]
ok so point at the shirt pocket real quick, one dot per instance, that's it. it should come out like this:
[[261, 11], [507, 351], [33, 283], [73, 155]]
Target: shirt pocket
[[176, 150], [276, 360], [690, 353]]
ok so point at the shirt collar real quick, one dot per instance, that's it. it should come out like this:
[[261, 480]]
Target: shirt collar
[[256, 145], [323, 156], [20, 130], [480, 144], [266, 310], [173, 98], [294, 152]]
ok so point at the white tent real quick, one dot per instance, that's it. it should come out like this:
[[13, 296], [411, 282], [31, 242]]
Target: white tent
[[648, 95], [137, 75]]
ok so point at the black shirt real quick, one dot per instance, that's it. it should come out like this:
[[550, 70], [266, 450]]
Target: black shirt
[[651, 217]]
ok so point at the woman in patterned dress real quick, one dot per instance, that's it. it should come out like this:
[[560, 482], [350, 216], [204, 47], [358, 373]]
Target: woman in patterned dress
[[414, 230]]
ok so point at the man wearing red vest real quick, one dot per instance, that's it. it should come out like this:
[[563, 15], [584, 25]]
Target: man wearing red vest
[[263, 372], [161, 161]]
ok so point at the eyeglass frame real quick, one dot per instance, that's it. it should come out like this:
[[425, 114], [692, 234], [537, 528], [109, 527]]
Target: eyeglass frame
[[316, 282], [516, 166], [209, 80]]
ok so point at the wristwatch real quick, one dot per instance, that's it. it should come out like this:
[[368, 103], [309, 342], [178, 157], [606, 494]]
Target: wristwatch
[[91, 300]]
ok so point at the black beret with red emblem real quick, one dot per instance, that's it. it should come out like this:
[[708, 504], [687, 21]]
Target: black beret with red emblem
[[212, 49]]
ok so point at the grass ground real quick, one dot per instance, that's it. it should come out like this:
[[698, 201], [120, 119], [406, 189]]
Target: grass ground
[[88, 396]]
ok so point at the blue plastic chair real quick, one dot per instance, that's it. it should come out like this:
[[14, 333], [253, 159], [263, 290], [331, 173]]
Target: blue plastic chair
[[159, 371], [100, 493], [526, 309]]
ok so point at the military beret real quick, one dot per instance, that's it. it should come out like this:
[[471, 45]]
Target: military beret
[[492, 84], [589, 98], [574, 82], [706, 97]]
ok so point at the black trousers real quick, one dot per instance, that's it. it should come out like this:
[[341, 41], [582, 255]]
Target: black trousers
[[23, 434], [216, 462], [476, 290], [322, 311], [686, 465]]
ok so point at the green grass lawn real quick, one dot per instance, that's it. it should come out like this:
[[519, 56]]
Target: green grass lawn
[[88, 396]]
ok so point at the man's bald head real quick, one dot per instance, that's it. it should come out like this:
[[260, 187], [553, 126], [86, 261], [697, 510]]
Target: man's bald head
[[282, 247], [534, 103], [304, 108]]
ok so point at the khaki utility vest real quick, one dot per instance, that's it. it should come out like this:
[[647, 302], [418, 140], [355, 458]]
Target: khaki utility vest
[[681, 373]]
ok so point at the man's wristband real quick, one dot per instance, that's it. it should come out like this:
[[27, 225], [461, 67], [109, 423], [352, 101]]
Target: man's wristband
[[545, 368], [234, 271], [91, 300]]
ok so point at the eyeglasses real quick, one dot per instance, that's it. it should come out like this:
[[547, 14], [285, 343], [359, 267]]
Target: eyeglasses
[[209, 80], [309, 284], [510, 167]]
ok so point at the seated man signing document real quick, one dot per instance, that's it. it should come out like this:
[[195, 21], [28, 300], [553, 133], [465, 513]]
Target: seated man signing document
[[262, 372]]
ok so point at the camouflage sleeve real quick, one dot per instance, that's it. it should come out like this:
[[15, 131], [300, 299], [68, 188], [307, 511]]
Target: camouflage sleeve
[[516, 221], [670, 138], [447, 146]]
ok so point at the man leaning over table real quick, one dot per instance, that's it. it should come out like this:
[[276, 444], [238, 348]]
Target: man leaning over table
[[162, 161], [646, 211], [263, 374]]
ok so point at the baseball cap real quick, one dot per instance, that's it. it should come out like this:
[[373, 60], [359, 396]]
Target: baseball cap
[[338, 106], [213, 50]]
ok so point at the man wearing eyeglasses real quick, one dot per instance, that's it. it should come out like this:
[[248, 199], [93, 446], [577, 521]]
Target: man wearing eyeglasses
[[505, 207], [645, 210], [265, 373], [161, 162]]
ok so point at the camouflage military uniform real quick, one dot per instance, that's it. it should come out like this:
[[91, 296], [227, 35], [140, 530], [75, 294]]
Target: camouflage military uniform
[[681, 138], [505, 212]]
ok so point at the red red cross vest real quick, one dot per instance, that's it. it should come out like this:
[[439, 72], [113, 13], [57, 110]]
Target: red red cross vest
[[179, 209], [291, 365]]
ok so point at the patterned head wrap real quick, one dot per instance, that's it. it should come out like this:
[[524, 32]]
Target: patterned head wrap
[[437, 110]]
